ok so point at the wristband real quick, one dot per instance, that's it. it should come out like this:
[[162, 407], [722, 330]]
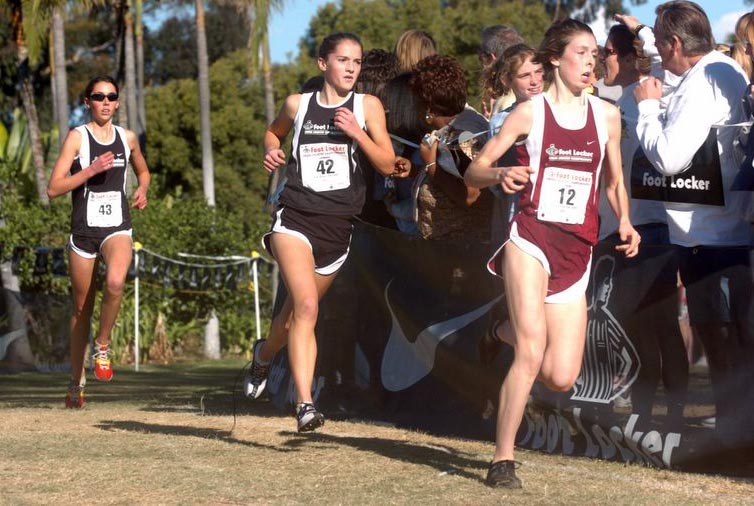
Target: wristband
[[428, 165], [638, 29]]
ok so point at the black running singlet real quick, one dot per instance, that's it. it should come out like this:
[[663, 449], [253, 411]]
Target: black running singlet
[[100, 205], [322, 175]]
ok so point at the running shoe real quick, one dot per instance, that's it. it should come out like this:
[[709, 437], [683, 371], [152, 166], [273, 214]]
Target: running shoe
[[255, 381], [103, 368], [502, 474], [74, 399], [308, 417]]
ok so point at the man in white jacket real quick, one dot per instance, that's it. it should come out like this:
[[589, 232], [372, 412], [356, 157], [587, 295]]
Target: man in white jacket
[[705, 219]]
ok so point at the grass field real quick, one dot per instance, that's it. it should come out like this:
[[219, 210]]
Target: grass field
[[163, 436]]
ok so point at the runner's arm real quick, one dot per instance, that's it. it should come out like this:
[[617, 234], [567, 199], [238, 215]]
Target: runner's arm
[[483, 171]]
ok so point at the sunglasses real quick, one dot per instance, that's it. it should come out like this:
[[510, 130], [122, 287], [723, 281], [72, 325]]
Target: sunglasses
[[99, 97]]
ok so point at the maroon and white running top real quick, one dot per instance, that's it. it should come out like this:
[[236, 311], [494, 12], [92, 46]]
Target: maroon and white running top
[[564, 188]]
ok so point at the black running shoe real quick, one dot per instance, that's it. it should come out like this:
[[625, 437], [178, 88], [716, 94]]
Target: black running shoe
[[308, 417], [502, 474], [255, 381]]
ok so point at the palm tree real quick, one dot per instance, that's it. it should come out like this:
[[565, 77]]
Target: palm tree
[[208, 170], [259, 47], [59, 75], [27, 23], [130, 61], [139, 33], [259, 52]]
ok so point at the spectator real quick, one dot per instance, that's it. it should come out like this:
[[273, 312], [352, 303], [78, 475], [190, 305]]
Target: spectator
[[412, 47], [661, 350], [447, 207], [495, 40], [690, 142]]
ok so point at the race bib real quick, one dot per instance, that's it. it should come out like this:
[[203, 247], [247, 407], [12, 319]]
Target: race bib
[[103, 209], [324, 166], [564, 194]]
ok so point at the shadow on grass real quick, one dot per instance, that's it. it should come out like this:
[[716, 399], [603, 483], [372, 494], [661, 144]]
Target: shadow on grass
[[182, 430], [199, 387], [441, 457]]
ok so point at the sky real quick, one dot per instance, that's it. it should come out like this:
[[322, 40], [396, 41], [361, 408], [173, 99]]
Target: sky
[[289, 26]]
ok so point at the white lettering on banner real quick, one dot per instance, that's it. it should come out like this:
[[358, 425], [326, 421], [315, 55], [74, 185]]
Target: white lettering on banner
[[548, 430], [691, 183]]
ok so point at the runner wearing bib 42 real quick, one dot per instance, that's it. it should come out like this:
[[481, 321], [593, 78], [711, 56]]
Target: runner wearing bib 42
[[322, 172]]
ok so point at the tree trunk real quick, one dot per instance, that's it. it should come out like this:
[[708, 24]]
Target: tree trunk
[[132, 111], [140, 95], [37, 154], [208, 170], [59, 74]]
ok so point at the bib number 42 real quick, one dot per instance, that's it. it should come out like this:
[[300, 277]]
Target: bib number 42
[[325, 166]]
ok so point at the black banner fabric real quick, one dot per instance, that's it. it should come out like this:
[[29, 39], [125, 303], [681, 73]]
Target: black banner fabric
[[701, 183], [397, 338]]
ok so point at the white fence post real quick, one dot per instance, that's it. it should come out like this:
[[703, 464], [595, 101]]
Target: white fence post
[[137, 248]]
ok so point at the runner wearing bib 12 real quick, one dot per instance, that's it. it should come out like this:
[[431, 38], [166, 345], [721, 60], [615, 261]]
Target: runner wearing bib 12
[[545, 263]]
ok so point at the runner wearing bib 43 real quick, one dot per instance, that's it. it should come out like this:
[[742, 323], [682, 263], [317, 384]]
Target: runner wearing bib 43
[[92, 167]]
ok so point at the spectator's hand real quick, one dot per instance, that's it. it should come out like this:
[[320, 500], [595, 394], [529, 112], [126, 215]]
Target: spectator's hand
[[630, 21], [102, 163], [514, 178], [273, 159], [402, 167], [346, 121], [139, 198], [648, 88], [630, 238]]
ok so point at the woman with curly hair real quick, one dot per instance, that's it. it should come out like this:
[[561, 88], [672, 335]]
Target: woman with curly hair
[[447, 207], [545, 263]]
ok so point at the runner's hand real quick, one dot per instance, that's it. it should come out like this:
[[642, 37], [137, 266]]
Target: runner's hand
[[402, 167], [273, 159], [630, 238], [139, 198], [102, 163], [346, 121], [514, 178]]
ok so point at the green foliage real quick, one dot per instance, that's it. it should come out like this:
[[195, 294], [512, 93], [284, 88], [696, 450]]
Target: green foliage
[[172, 48], [167, 226], [238, 127], [456, 26]]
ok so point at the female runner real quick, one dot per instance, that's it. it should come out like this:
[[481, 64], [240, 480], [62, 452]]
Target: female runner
[[92, 165], [311, 232], [546, 260]]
